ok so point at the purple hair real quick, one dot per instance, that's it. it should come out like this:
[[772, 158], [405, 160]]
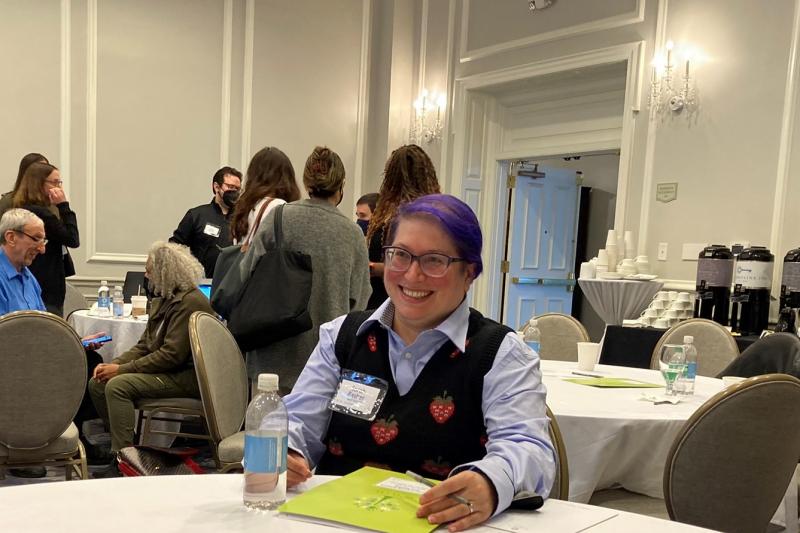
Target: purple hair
[[455, 217]]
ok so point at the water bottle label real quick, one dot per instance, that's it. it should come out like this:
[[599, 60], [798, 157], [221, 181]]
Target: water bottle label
[[265, 454], [691, 371], [534, 345]]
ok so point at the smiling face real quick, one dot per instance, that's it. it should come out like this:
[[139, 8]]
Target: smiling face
[[422, 302]]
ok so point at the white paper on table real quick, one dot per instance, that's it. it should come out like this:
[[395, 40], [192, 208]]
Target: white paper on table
[[553, 518]]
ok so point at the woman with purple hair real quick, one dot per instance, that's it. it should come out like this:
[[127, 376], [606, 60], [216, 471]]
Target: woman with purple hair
[[448, 393]]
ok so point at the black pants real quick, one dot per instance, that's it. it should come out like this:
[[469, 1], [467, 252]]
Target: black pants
[[87, 410]]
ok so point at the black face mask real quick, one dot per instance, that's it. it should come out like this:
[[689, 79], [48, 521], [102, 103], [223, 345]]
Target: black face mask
[[363, 224], [230, 197]]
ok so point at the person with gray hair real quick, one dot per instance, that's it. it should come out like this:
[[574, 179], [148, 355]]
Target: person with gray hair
[[160, 364], [22, 238]]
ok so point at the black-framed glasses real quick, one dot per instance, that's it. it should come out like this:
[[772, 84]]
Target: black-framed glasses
[[432, 264], [37, 240]]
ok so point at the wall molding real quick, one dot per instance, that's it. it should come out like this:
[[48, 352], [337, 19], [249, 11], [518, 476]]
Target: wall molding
[[790, 96], [632, 17], [227, 60], [362, 112], [65, 120], [444, 160], [247, 75]]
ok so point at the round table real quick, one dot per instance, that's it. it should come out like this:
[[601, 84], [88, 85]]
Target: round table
[[214, 503], [618, 300], [612, 436], [125, 331]]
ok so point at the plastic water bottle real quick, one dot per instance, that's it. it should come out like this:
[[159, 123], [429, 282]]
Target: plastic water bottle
[[532, 335], [103, 299], [265, 447], [118, 302], [677, 367], [691, 366]]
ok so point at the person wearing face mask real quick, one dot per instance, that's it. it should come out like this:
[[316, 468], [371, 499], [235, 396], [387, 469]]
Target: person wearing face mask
[[365, 206], [340, 279], [205, 229]]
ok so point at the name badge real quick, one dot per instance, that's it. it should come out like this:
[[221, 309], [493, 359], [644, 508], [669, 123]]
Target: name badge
[[212, 230], [359, 395]]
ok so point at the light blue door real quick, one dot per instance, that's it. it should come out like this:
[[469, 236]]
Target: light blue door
[[541, 250]]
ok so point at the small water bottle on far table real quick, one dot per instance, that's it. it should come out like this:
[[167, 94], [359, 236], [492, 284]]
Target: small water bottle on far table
[[532, 336], [103, 299], [265, 447], [118, 302], [688, 377]]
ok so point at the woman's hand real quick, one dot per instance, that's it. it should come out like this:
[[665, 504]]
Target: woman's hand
[[57, 195], [105, 371], [472, 486], [297, 469]]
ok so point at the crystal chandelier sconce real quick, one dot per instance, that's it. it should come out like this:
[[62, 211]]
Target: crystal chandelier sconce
[[428, 117], [672, 89]]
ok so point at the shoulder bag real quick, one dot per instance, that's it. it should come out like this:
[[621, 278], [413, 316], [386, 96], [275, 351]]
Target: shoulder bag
[[274, 301]]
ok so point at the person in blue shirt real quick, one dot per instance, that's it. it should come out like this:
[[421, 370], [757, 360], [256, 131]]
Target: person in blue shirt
[[22, 238], [424, 383]]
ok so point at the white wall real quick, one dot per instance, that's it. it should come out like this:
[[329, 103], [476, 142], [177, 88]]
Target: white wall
[[139, 102]]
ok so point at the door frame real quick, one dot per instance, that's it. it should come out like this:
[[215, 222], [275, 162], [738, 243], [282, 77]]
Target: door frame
[[486, 288]]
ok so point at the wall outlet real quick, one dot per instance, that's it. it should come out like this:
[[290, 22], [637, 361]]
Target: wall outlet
[[691, 250], [662, 251]]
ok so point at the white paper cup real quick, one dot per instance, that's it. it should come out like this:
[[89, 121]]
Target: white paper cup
[[672, 295], [673, 313], [138, 305], [661, 323], [602, 257], [587, 271], [684, 297], [588, 354], [611, 238], [658, 304], [650, 313]]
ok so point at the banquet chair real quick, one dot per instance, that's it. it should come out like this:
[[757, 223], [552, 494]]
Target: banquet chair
[[560, 490], [222, 377], [729, 467], [716, 347], [560, 335], [73, 301], [774, 354], [42, 382]]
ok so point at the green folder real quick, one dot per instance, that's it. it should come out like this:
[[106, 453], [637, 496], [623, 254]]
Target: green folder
[[357, 500], [614, 383]]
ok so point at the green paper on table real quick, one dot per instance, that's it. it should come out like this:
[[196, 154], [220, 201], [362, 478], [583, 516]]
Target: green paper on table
[[614, 383], [370, 498]]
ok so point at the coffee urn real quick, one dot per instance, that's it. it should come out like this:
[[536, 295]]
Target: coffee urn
[[752, 281], [790, 280], [713, 286]]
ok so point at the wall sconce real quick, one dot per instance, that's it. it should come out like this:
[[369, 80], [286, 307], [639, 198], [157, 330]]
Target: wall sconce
[[672, 90], [427, 123]]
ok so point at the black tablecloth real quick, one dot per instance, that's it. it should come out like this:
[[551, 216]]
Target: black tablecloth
[[626, 346]]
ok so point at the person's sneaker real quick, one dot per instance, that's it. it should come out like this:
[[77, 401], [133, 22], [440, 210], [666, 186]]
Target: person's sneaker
[[111, 470], [29, 472]]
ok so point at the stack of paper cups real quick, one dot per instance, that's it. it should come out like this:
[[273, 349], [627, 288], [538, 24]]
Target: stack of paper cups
[[602, 262], [612, 250], [630, 250]]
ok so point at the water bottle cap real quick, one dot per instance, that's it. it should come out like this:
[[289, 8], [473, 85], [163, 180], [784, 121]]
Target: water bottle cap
[[267, 382], [688, 339], [533, 322]]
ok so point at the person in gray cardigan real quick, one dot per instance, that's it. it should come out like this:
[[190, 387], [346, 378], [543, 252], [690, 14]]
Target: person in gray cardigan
[[340, 280]]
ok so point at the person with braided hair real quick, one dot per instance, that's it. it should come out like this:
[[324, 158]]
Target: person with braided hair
[[340, 279], [409, 174]]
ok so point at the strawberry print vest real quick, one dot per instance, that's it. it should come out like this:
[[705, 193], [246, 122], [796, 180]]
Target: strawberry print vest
[[436, 426]]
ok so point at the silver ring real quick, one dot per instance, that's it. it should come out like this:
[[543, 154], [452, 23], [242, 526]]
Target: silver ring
[[470, 507]]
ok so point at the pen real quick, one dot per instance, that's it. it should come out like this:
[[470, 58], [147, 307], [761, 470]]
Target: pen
[[587, 374], [416, 477]]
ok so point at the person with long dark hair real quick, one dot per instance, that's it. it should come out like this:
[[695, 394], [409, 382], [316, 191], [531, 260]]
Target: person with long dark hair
[[7, 200]]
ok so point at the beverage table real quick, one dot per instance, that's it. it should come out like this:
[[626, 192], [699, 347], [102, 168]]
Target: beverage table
[[618, 300], [213, 503]]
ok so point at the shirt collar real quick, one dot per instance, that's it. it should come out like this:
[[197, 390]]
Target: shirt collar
[[454, 327], [8, 269]]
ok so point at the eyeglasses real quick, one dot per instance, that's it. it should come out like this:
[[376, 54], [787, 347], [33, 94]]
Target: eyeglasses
[[432, 264], [37, 240], [56, 183]]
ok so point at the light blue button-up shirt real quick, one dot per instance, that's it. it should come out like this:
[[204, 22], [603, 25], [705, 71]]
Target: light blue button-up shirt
[[19, 290], [519, 453]]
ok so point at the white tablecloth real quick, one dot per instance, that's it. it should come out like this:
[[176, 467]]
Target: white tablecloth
[[213, 503], [125, 332], [613, 437], [616, 300]]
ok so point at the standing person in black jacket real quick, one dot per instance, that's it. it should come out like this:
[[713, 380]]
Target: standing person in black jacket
[[205, 228], [39, 191]]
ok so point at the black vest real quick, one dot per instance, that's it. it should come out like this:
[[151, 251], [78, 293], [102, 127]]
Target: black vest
[[436, 426]]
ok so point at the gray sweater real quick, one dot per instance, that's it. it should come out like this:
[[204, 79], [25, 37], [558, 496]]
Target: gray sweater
[[340, 278]]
